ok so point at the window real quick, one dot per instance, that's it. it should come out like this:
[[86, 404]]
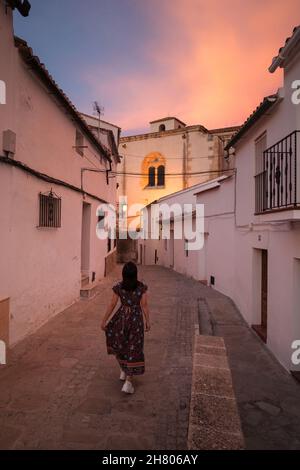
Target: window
[[260, 146], [261, 183], [151, 176], [162, 128], [50, 210], [79, 142], [153, 171], [161, 175]]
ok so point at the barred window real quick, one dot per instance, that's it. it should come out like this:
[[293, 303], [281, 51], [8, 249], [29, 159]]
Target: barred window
[[50, 210]]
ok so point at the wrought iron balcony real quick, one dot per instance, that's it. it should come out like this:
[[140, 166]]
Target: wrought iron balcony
[[277, 186]]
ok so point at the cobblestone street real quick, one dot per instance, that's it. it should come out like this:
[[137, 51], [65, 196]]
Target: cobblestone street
[[62, 391]]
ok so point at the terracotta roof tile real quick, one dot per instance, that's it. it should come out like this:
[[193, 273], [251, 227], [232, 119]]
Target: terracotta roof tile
[[279, 59], [266, 104]]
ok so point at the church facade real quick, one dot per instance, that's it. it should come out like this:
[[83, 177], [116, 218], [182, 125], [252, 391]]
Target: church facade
[[170, 157]]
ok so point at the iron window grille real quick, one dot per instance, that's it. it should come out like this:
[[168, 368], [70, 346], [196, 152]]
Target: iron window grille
[[50, 210], [277, 183]]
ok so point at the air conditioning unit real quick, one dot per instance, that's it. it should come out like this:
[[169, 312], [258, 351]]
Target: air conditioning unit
[[9, 142]]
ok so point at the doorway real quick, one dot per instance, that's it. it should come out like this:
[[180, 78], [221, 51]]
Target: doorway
[[85, 238], [262, 327], [295, 333], [141, 254], [172, 248]]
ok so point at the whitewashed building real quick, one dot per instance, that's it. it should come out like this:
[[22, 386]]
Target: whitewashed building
[[170, 157], [252, 217], [267, 215], [54, 173]]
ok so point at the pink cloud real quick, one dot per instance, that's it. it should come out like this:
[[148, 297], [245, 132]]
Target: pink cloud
[[209, 62]]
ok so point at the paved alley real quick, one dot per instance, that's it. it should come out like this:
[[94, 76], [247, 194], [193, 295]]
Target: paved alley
[[61, 390]]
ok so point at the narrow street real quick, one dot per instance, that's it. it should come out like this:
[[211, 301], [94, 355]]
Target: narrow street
[[61, 390]]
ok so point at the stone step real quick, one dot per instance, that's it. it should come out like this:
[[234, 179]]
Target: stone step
[[89, 290], [214, 422]]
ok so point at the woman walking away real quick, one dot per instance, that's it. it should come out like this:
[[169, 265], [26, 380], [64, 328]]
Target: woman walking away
[[125, 330]]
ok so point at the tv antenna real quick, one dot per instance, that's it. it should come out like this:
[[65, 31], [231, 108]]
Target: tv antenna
[[98, 111]]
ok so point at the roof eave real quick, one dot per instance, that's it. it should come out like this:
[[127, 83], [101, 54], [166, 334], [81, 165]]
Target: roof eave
[[266, 104], [28, 57], [101, 120], [285, 52], [167, 119], [165, 133]]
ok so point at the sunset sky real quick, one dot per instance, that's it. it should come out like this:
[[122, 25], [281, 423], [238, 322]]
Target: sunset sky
[[205, 62]]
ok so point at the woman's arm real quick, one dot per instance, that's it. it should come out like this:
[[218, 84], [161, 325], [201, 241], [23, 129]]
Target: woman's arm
[[144, 304], [110, 308]]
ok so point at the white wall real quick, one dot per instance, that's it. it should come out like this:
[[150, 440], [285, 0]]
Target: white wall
[[41, 268], [281, 237], [235, 236]]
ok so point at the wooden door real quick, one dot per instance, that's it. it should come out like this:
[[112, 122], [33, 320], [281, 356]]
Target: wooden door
[[264, 291], [85, 238], [171, 248], [261, 329]]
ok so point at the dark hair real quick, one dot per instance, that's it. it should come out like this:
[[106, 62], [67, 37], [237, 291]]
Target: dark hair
[[129, 274]]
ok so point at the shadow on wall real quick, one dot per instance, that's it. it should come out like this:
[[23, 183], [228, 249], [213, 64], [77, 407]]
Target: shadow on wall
[[127, 250], [110, 262]]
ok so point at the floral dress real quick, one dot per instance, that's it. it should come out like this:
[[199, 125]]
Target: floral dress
[[125, 330]]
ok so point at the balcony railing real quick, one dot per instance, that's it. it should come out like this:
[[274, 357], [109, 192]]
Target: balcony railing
[[276, 187]]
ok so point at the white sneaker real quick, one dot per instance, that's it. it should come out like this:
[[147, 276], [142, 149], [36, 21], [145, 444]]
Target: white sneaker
[[128, 387], [122, 375]]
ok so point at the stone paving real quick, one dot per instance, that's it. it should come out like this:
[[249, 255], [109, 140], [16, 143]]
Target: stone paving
[[61, 390], [268, 397], [214, 422]]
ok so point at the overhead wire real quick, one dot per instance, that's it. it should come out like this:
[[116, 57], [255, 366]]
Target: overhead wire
[[120, 173], [141, 157]]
